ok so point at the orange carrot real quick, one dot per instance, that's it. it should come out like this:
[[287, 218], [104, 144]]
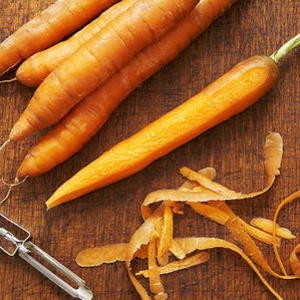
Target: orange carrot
[[36, 68], [233, 92], [242, 86], [102, 56], [90, 115], [58, 20]]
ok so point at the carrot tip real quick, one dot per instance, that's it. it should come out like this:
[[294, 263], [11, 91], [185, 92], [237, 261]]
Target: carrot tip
[[50, 205]]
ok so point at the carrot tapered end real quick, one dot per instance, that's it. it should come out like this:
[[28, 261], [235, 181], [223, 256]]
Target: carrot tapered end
[[55, 200], [21, 129], [67, 192]]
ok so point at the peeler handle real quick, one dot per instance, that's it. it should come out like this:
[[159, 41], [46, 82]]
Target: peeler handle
[[82, 292]]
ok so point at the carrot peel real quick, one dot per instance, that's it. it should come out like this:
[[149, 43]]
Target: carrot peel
[[215, 191], [177, 265], [267, 226], [287, 200], [294, 261], [193, 243]]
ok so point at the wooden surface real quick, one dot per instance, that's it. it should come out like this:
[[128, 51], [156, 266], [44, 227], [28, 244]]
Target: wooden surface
[[234, 148]]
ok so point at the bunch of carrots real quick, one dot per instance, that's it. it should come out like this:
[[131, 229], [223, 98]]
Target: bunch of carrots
[[83, 79]]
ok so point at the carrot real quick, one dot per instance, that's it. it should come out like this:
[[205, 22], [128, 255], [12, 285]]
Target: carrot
[[98, 59], [36, 68], [51, 25], [90, 115], [242, 86]]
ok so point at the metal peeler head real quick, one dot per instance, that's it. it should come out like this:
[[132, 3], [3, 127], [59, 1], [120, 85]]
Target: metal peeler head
[[12, 236]]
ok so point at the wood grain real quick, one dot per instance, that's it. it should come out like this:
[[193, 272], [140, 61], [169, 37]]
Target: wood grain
[[234, 148]]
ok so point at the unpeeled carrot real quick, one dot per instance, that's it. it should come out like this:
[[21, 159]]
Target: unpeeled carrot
[[89, 116], [113, 47], [243, 85], [36, 68], [51, 25]]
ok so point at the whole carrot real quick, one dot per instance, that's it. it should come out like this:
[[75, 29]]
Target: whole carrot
[[58, 20], [89, 116], [108, 51], [243, 85], [36, 68]]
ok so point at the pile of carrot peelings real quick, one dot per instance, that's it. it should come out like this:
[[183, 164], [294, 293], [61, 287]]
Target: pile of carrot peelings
[[154, 239]]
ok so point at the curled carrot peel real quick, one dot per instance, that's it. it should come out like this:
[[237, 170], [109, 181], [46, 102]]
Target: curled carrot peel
[[294, 261], [254, 232], [177, 265], [166, 236], [193, 243], [94, 257], [215, 191], [142, 236], [155, 283], [211, 213], [176, 250], [137, 285], [267, 225], [221, 213], [238, 227], [287, 200], [239, 233], [260, 235]]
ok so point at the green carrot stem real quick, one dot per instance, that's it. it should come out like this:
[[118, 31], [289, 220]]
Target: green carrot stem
[[286, 48]]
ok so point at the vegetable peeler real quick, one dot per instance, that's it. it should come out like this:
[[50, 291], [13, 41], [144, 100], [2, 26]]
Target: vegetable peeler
[[12, 245]]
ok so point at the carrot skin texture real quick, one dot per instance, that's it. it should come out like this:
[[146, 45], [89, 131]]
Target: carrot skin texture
[[113, 47], [50, 26], [36, 68], [233, 92], [89, 116]]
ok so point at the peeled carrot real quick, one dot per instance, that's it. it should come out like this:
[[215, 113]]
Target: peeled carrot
[[36, 68], [242, 86], [88, 117], [102, 56], [58, 20]]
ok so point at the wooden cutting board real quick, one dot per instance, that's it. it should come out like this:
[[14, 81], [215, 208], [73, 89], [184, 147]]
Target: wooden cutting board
[[234, 148]]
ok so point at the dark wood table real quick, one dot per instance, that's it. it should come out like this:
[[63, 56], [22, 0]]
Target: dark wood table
[[234, 148]]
